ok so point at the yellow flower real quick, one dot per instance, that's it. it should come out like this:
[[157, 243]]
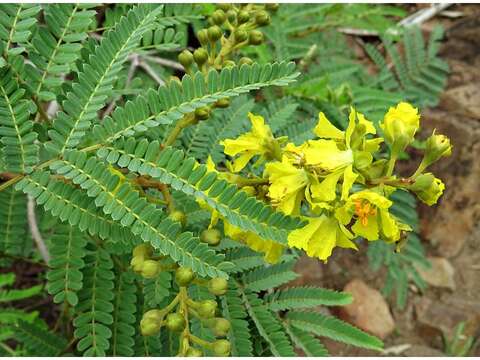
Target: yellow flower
[[372, 217], [428, 188], [288, 185], [272, 250], [320, 236], [400, 125], [259, 141]]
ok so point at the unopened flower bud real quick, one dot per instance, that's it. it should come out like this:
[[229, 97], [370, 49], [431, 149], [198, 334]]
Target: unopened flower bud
[[223, 103], [255, 37], [202, 113], [262, 18], [184, 276], [437, 146], [221, 327], [137, 263], [175, 322], [218, 286], [219, 17], [178, 216], [243, 16], [185, 58], [150, 269], [202, 37], [200, 56], [240, 35], [400, 125], [144, 250], [221, 348], [245, 60], [214, 33], [207, 309], [428, 188], [211, 236]]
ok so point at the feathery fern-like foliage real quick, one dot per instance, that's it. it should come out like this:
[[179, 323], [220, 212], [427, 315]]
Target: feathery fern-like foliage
[[17, 136], [13, 221], [309, 344], [265, 278], [57, 46], [171, 167], [67, 251], [125, 205], [95, 308], [328, 326], [268, 326], [89, 93], [305, 297], [16, 23], [124, 308], [173, 101]]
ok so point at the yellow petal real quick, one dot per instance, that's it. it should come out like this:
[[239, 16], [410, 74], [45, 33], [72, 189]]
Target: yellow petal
[[240, 162], [325, 129], [389, 226], [259, 129], [368, 231], [324, 240], [349, 178], [326, 155], [376, 199], [327, 189], [300, 238]]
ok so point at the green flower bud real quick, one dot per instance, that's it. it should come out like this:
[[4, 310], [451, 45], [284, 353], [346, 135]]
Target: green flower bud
[[245, 60], [193, 352], [137, 263], [255, 37], [272, 7], [232, 17], [200, 56], [223, 103], [202, 113], [240, 35], [143, 250], [184, 276], [150, 269], [185, 58], [243, 16], [428, 188], [224, 6], [221, 348], [149, 327], [218, 286], [400, 125], [207, 309], [214, 33], [175, 322], [178, 216], [229, 63], [437, 146], [202, 37], [219, 17], [211, 236], [154, 314], [221, 327], [262, 18]]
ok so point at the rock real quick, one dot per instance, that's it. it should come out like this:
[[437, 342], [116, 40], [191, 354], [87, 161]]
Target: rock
[[421, 350], [369, 310], [440, 274], [437, 317]]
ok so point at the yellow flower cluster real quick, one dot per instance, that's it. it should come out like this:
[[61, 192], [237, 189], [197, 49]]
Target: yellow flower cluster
[[337, 182]]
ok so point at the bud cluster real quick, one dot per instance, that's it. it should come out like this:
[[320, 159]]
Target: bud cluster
[[175, 316], [231, 27]]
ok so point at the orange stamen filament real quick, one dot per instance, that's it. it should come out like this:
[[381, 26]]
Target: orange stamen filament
[[363, 209]]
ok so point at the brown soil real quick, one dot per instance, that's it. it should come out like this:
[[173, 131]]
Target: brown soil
[[450, 229]]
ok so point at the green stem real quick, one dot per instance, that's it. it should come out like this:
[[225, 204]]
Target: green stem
[[12, 181], [391, 165]]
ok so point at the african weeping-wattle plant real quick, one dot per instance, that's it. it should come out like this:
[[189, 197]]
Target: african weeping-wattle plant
[[167, 211]]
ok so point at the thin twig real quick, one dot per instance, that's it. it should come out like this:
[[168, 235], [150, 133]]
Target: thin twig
[[37, 237], [164, 62], [145, 66]]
